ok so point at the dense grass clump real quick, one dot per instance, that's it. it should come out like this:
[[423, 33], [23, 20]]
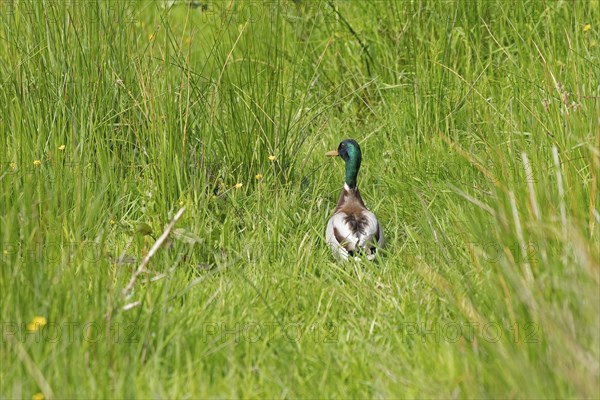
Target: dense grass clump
[[480, 129]]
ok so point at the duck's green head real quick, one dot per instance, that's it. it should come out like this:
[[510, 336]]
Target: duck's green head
[[349, 151]]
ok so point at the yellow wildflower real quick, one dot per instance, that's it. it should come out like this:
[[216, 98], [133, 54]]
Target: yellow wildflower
[[38, 396], [587, 27], [13, 165], [238, 185], [62, 147], [259, 177], [112, 222], [37, 163], [36, 323], [272, 158]]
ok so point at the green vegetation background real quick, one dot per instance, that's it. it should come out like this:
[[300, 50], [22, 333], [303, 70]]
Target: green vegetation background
[[480, 129]]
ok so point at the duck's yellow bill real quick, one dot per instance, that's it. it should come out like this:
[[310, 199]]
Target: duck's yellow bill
[[332, 153]]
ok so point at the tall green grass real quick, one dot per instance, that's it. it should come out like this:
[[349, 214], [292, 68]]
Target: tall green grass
[[480, 129]]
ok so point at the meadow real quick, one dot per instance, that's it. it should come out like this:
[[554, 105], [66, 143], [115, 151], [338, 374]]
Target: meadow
[[479, 123]]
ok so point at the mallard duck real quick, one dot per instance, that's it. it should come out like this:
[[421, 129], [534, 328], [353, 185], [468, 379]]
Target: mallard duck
[[353, 228]]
